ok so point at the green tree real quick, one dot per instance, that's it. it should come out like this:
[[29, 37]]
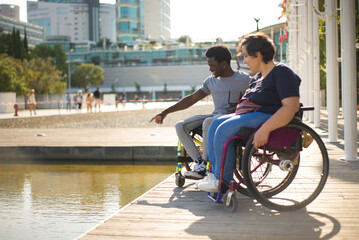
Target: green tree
[[43, 76], [5, 44], [138, 88], [12, 75], [87, 74], [57, 55], [96, 60], [25, 46], [18, 53], [184, 39], [165, 91]]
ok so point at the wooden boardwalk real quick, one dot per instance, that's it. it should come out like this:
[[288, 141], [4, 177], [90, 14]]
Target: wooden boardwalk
[[168, 212]]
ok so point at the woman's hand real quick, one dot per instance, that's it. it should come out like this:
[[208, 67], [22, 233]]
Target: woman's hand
[[260, 138]]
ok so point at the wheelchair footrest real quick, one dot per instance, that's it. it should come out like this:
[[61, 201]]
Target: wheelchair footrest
[[184, 159]]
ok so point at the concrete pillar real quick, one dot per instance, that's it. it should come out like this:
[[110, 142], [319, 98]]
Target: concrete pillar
[[332, 71], [349, 83], [316, 67], [154, 95], [310, 58]]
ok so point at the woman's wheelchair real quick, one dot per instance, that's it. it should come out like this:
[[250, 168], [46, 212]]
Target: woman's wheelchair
[[286, 174]]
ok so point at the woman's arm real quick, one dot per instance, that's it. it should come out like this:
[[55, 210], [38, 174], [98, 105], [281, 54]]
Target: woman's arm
[[282, 117]]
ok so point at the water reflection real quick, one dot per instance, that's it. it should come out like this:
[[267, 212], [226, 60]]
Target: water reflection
[[64, 201]]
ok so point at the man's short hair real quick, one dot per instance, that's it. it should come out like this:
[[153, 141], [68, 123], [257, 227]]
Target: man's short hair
[[258, 42], [220, 53]]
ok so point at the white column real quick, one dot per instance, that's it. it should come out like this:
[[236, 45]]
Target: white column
[[332, 71], [316, 71], [301, 55], [349, 83], [310, 58], [304, 53]]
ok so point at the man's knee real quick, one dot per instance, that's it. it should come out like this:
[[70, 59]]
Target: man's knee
[[180, 126]]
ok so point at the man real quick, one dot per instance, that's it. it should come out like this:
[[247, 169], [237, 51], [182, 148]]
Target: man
[[97, 96], [68, 102], [226, 87]]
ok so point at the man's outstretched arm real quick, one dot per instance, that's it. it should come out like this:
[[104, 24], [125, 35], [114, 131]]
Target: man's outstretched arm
[[184, 103]]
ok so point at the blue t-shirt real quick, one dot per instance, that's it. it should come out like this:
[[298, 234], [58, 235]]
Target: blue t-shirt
[[279, 84]]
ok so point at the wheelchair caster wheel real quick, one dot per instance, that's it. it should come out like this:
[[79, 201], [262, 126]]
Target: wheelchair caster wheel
[[230, 203], [180, 180]]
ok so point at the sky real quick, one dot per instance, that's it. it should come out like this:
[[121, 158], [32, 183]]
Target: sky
[[207, 20]]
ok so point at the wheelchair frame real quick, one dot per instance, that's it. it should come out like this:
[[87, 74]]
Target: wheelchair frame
[[229, 199]]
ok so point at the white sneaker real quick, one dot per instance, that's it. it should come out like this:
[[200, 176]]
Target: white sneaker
[[210, 186], [206, 179], [198, 172]]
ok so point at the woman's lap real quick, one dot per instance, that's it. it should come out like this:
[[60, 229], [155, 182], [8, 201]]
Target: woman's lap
[[226, 127]]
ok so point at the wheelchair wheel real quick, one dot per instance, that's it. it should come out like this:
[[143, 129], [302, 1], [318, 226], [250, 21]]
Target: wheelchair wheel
[[179, 180], [185, 163], [230, 202], [261, 173], [298, 173]]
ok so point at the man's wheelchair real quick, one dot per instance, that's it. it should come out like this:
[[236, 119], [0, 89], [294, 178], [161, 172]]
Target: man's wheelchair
[[184, 161], [286, 174]]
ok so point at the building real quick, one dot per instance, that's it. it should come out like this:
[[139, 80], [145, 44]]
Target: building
[[35, 34], [82, 20], [10, 11], [157, 19], [143, 19]]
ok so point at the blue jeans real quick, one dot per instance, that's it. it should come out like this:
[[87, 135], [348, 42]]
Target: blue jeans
[[221, 130]]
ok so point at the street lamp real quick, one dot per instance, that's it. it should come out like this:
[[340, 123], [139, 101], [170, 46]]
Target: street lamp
[[69, 70]]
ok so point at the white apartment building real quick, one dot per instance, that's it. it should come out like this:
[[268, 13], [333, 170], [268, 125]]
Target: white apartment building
[[72, 19], [10, 11], [157, 19]]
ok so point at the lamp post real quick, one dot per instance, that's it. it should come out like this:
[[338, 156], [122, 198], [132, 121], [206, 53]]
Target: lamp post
[[69, 56], [69, 69]]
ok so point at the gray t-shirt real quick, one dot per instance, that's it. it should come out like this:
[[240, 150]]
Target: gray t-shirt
[[226, 91]]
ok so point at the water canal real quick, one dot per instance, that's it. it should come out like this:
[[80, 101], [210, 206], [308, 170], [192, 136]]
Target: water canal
[[64, 201]]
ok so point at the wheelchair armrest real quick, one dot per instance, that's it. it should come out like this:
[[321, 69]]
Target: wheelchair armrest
[[302, 109]]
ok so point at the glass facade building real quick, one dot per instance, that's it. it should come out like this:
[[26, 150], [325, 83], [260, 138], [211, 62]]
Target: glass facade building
[[143, 19], [130, 20]]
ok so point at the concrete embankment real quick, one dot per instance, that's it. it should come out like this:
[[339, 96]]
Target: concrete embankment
[[124, 135]]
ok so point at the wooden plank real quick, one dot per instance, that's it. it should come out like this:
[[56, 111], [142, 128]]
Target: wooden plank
[[169, 212]]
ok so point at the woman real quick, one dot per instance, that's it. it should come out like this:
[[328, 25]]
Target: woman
[[32, 102], [270, 102], [89, 100]]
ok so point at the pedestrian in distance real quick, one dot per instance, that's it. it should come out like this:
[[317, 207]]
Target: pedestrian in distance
[[32, 101], [89, 100], [68, 102], [97, 97], [79, 100]]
